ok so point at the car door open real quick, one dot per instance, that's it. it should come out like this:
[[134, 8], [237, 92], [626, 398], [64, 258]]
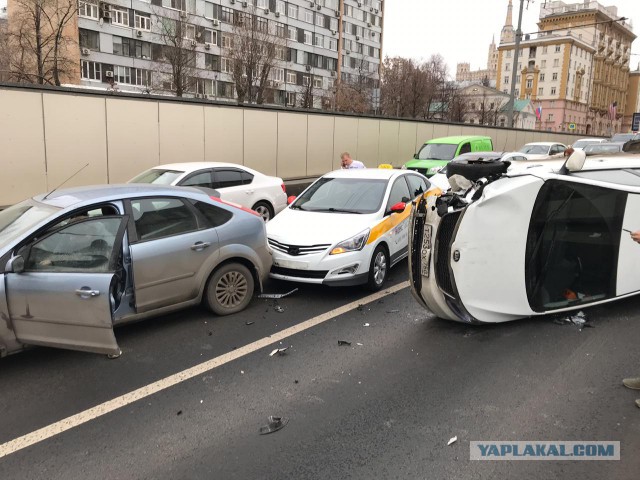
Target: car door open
[[62, 288]]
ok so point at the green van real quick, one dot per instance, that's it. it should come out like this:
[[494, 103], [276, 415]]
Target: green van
[[437, 152]]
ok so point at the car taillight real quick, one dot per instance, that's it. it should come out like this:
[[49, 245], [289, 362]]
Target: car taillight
[[236, 205], [284, 189]]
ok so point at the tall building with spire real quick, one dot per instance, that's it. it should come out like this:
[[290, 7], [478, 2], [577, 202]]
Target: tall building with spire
[[576, 69], [487, 75]]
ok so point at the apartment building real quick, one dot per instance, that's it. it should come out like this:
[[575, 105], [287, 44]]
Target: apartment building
[[576, 69], [323, 41]]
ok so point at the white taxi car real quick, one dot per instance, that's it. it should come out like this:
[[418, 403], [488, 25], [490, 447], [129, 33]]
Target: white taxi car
[[530, 242], [347, 228]]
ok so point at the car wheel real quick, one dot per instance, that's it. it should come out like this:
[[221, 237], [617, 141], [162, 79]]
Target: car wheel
[[264, 209], [229, 290], [475, 170], [378, 269]]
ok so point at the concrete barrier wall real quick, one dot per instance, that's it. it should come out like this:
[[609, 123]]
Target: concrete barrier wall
[[46, 135]]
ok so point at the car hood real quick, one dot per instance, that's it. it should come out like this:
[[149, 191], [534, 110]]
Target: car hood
[[295, 227]]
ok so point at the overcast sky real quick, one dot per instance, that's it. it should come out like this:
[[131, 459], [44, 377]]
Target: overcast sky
[[461, 30]]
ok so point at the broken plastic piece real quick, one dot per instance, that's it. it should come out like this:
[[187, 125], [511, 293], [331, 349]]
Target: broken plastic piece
[[275, 424], [276, 296], [393, 311], [360, 307], [365, 325], [249, 323], [359, 344], [452, 440], [278, 309], [279, 351], [579, 319], [343, 342], [111, 356], [179, 412]]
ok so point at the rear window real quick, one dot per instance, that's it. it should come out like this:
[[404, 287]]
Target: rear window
[[157, 176], [437, 151], [215, 216]]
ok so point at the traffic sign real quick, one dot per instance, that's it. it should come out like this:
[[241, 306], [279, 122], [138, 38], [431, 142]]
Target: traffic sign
[[572, 126], [635, 123]]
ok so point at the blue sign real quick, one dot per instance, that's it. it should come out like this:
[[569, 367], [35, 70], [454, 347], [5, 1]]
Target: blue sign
[[635, 123]]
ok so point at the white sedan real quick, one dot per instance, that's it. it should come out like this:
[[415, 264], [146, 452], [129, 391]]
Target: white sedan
[[348, 228], [543, 150], [235, 183], [529, 242]]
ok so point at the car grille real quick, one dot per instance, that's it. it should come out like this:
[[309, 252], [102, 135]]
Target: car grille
[[297, 250], [292, 272], [443, 252]]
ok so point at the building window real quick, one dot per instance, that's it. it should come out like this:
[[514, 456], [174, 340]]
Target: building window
[[210, 36], [506, 67], [227, 14], [91, 70], [142, 21], [262, 25], [529, 83], [554, 76], [292, 77], [122, 74], [308, 38], [308, 16], [281, 30], [227, 41], [281, 53], [508, 53], [291, 99], [209, 10], [543, 64], [88, 10], [182, 5], [226, 65], [317, 82], [333, 24], [292, 33], [277, 74], [506, 79], [319, 20], [120, 16], [542, 77], [281, 7], [517, 78], [557, 48], [553, 90], [540, 91], [190, 32], [556, 62], [211, 62], [318, 40], [89, 39], [293, 11]]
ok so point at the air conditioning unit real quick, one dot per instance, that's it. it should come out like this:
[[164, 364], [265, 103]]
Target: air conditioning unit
[[85, 51], [266, 11], [348, 52], [193, 43], [312, 4], [215, 22], [373, 34], [359, 4], [333, 73], [357, 37], [232, 2], [368, 24], [108, 74], [277, 14], [334, 32], [318, 7], [183, 14], [376, 11], [308, 68], [245, 4], [337, 13], [138, 33], [207, 46], [106, 15]]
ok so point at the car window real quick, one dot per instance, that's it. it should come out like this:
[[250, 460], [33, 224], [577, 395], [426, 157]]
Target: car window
[[556, 149], [437, 151], [162, 217], [534, 149], [82, 246], [417, 185], [399, 193], [157, 176], [247, 177], [16, 220], [215, 216], [200, 179], [227, 178], [572, 245], [465, 148], [82, 214]]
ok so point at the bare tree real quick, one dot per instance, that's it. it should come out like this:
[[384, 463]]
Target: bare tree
[[404, 87], [40, 41], [255, 47], [177, 55]]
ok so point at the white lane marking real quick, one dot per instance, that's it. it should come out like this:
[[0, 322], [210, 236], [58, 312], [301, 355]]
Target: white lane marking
[[68, 423]]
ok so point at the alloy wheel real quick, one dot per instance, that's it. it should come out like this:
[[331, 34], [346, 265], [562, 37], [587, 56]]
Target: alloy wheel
[[380, 268], [231, 289]]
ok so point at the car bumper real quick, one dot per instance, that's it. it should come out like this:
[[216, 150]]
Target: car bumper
[[323, 269]]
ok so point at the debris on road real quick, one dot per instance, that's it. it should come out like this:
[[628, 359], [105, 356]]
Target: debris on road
[[275, 424], [209, 333], [366, 325], [360, 307], [579, 320], [359, 344], [278, 309], [179, 412], [343, 342], [296, 381], [277, 296], [241, 372], [393, 311], [452, 440], [249, 323], [279, 351]]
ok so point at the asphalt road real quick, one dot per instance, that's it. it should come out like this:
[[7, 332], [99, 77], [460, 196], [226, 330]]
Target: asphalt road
[[382, 409]]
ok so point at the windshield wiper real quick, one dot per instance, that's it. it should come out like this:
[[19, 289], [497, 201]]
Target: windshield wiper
[[338, 210], [298, 207]]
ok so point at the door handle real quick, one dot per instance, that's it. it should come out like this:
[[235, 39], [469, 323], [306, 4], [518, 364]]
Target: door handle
[[86, 292], [199, 246]]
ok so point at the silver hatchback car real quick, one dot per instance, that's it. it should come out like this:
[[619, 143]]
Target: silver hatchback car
[[78, 261]]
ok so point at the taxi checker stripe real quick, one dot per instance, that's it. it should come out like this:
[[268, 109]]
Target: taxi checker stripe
[[393, 221]]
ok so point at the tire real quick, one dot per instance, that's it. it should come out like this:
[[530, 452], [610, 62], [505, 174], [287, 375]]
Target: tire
[[229, 289], [378, 268], [264, 209], [474, 170]]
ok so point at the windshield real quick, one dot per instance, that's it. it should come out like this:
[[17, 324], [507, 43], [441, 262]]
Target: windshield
[[20, 218], [438, 151], [157, 176], [584, 143], [535, 149], [342, 195], [595, 149]]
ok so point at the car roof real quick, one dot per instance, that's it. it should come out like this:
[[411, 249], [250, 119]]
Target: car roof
[[458, 139], [189, 167], [67, 197], [546, 144], [367, 173]]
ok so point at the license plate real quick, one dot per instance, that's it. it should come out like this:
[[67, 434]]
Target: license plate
[[291, 264], [425, 252]]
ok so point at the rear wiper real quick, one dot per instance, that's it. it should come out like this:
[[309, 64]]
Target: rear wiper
[[338, 210]]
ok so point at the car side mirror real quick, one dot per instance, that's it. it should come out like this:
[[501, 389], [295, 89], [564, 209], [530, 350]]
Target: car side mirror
[[398, 207], [415, 156], [16, 264], [574, 163], [291, 199]]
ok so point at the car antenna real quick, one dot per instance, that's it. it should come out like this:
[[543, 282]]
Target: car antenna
[[45, 197]]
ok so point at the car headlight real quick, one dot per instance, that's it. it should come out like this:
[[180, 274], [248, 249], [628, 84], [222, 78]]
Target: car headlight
[[353, 244]]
